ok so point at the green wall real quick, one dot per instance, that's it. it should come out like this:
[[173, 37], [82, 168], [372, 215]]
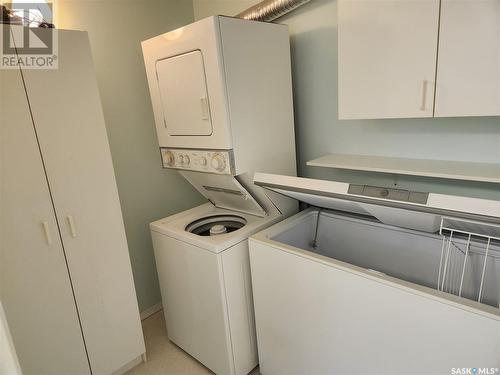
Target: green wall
[[313, 33], [147, 192]]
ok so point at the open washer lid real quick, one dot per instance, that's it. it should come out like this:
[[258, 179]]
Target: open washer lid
[[224, 191], [403, 208]]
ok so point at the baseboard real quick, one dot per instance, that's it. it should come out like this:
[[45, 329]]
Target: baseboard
[[151, 310]]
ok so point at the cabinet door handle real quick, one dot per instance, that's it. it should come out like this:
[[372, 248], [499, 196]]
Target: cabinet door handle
[[424, 95], [204, 108], [46, 230], [71, 223]]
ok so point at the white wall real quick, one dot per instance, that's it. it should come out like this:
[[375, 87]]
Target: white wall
[[313, 32], [147, 192]]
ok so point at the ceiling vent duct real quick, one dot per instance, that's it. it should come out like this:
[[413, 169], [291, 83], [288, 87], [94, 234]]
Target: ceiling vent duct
[[269, 10]]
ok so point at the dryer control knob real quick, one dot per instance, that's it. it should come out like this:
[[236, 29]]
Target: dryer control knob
[[218, 162], [169, 158]]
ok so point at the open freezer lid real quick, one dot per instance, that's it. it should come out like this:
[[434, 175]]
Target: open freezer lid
[[224, 191], [403, 208]]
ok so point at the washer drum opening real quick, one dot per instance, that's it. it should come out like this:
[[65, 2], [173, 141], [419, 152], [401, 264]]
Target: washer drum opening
[[216, 225]]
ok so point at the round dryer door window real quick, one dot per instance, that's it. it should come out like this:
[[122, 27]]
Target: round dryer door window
[[216, 225]]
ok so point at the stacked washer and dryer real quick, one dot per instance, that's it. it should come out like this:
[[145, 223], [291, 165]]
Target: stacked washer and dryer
[[222, 99]]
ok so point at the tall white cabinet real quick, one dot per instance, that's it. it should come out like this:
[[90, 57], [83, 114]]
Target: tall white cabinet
[[65, 276], [35, 287]]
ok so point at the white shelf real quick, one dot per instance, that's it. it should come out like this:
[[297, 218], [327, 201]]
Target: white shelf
[[456, 170]]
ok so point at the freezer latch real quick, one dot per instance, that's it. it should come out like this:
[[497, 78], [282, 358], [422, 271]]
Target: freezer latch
[[389, 193]]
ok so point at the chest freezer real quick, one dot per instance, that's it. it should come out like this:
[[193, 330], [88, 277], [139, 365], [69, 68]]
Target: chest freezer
[[377, 281]]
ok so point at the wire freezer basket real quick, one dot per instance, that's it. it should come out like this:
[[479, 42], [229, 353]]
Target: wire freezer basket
[[470, 260]]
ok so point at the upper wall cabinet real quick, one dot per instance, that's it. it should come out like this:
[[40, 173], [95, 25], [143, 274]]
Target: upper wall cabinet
[[468, 71], [387, 58], [421, 58]]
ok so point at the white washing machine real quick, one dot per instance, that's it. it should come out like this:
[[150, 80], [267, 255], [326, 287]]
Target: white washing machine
[[222, 98], [206, 286]]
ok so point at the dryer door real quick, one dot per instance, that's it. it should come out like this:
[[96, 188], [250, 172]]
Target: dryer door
[[184, 96]]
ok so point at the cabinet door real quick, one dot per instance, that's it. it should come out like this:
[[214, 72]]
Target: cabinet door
[[468, 76], [35, 287], [70, 125], [184, 97], [387, 58]]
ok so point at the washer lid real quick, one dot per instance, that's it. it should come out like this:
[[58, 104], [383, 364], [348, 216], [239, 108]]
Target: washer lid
[[414, 210], [224, 191]]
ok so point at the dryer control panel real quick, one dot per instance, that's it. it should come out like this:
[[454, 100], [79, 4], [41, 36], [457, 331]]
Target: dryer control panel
[[209, 161]]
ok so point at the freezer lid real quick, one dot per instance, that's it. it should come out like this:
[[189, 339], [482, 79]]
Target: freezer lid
[[403, 208], [225, 191]]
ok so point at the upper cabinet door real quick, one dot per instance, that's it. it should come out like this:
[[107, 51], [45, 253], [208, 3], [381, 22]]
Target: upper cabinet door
[[71, 132], [184, 97], [35, 287], [387, 58], [468, 75]]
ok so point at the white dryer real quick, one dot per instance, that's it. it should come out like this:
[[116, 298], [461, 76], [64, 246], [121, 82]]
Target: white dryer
[[221, 91]]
